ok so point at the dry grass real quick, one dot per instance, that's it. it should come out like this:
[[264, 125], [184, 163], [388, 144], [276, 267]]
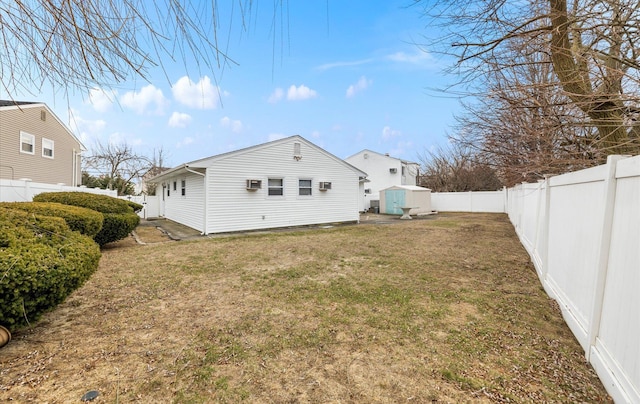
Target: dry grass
[[441, 310]]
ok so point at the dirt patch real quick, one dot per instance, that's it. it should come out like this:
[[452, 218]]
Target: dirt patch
[[440, 310]]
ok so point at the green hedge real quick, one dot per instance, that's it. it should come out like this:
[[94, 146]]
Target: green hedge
[[119, 217], [41, 262], [84, 220], [135, 206]]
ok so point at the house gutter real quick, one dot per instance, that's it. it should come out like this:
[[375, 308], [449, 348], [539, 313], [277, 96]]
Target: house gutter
[[204, 216]]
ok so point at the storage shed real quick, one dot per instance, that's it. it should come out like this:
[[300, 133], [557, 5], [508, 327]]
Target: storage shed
[[394, 198]]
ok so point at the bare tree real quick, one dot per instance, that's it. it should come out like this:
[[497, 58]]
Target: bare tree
[[593, 47], [80, 44], [523, 124], [456, 168], [118, 164]]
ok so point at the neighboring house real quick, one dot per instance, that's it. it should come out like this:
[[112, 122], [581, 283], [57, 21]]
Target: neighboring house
[[35, 144], [144, 186], [383, 172], [287, 182]]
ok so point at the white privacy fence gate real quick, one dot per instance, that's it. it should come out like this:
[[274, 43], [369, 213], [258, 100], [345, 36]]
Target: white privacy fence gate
[[150, 205], [582, 231]]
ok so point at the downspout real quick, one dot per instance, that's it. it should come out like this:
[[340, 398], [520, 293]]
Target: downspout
[[204, 216]]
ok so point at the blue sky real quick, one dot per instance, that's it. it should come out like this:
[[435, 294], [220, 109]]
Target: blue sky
[[344, 75]]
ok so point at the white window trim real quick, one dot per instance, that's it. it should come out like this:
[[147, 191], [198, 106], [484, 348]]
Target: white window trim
[[275, 187], [310, 187], [53, 153], [26, 135]]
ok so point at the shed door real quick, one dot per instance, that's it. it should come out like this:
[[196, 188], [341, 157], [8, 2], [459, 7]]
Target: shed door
[[394, 200]]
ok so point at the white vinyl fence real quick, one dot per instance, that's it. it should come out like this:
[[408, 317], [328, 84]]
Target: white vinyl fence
[[582, 231], [151, 205], [489, 201], [25, 190]]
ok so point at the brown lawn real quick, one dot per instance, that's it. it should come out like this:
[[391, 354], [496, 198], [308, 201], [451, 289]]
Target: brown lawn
[[445, 309]]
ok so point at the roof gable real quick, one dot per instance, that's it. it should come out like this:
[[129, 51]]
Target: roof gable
[[208, 161], [7, 105], [380, 155]]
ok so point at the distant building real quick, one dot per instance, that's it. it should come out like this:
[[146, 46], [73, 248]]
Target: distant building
[[35, 144], [383, 171]]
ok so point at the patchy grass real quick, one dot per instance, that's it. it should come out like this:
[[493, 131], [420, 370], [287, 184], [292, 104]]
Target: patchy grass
[[447, 309]]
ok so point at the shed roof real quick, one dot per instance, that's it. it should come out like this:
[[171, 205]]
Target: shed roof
[[408, 188]]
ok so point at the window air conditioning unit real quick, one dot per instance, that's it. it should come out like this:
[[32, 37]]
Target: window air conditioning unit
[[324, 186], [393, 170], [253, 185]]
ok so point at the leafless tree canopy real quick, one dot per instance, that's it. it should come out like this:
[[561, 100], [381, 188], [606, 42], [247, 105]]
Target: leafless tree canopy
[[80, 44], [558, 82], [119, 164]]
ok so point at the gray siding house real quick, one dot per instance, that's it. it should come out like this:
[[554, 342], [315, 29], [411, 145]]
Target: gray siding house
[[287, 182], [35, 144]]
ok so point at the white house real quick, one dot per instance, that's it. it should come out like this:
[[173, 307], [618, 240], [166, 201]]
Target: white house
[[287, 182], [383, 172]]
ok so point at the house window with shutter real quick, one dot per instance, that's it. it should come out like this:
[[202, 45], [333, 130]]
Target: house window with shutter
[[27, 143]]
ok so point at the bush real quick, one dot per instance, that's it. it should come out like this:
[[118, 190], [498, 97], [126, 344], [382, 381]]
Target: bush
[[119, 217], [41, 262], [135, 206], [83, 220]]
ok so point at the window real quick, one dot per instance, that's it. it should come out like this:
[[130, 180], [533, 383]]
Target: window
[[403, 170], [304, 187], [175, 185], [27, 143], [47, 148], [296, 149], [276, 186], [183, 186]]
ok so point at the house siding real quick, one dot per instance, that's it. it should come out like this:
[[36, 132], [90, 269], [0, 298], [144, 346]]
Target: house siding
[[378, 166], [231, 207], [187, 209], [16, 165]]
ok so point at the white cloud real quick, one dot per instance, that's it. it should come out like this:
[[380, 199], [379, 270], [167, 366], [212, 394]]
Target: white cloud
[[118, 138], [388, 133], [328, 66], [86, 130], [102, 100], [145, 99], [315, 134], [185, 142], [235, 125], [276, 95], [200, 95], [179, 120], [300, 93], [419, 57], [361, 85]]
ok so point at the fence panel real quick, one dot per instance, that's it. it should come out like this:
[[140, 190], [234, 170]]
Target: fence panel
[[489, 201], [24, 191]]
